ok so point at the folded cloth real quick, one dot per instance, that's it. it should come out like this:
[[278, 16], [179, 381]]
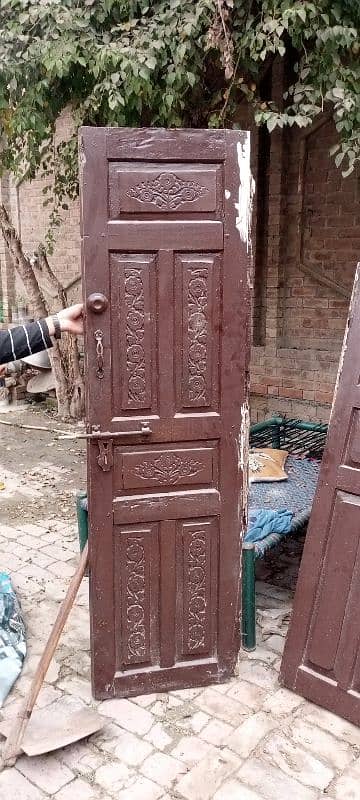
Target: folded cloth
[[263, 521], [12, 637]]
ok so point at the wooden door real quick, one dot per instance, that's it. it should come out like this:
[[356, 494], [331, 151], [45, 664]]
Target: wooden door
[[322, 654], [166, 282]]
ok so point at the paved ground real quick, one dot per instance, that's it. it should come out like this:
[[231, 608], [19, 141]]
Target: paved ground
[[246, 740]]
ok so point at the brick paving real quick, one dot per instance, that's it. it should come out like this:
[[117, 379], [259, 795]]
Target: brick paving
[[246, 740]]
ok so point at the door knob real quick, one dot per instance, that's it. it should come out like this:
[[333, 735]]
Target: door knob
[[97, 303]]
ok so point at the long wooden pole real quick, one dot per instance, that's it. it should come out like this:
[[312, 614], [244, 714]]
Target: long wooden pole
[[13, 743]]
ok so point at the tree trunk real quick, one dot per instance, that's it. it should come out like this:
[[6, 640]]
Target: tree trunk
[[65, 363], [22, 265], [71, 356]]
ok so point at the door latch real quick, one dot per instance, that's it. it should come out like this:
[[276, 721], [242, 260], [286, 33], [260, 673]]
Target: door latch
[[96, 433], [99, 336], [105, 442], [105, 458]]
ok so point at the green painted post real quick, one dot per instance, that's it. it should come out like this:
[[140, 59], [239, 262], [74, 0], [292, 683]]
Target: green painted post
[[275, 436], [248, 616], [82, 518]]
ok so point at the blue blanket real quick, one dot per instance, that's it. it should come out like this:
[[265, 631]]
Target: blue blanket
[[263, 521], [12, 637]]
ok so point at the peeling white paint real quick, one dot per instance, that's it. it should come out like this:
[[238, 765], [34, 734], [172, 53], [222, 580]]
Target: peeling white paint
[[246, 192], [227, 194], [244, 437], [243, 463]]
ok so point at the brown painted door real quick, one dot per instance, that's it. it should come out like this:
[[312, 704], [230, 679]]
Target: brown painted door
[[166, 281], [322, 654]]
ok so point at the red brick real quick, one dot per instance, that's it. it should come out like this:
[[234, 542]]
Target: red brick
[[324, 397], [258, 388], [295, 394]]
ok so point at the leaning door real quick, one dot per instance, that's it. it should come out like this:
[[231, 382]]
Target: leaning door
[[166, 280], [322, 654]]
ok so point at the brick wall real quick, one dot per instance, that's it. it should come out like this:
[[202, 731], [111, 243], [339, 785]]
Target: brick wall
[[31, 218], [312, 232], [305, 214]]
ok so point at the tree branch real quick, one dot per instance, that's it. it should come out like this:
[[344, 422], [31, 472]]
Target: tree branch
[[44, 266], [37, 301]]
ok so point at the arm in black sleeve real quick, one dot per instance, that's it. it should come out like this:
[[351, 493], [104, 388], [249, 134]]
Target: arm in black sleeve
[[24, 340]]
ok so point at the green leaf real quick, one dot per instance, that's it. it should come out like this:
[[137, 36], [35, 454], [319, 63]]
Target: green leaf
[[345, 173], [339, 158], [151, 62], [338, 91], [136, 63], [271, 124], [112, 101], [301, 12]]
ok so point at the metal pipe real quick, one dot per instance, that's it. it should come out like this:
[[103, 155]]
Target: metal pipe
[[263, 426], [316, 427], [248, 616], [82, 518]]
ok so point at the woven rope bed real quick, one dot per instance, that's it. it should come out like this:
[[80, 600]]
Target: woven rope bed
[[305, 442], [295, 495]]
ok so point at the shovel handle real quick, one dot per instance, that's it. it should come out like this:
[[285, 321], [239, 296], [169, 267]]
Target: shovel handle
[[14, 740]]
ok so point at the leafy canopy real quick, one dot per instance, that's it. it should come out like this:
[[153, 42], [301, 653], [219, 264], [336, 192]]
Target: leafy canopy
[[172, 63]]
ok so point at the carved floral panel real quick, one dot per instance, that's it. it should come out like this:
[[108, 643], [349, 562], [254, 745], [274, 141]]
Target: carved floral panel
[[198, 331], [134, 554], [199, 580], [163, 189], [169, 468], [180, 466], [135, 334], [167, 191], [198, 328], [134, 320], [136, 637]]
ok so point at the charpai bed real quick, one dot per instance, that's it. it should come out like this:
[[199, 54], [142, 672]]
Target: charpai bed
[[304, 441]]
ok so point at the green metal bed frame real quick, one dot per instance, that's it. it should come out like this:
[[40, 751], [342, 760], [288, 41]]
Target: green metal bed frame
[[295, 436]]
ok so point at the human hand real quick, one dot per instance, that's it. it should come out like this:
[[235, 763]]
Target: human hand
[[71, 319]]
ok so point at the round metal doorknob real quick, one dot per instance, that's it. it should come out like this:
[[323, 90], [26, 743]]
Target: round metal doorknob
[[97, 303]]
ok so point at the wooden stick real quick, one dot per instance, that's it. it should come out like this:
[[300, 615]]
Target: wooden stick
[[13, 743], [70, 436], [32, 427]]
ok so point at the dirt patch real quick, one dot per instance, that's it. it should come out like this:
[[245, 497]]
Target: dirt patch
[[41, 474]]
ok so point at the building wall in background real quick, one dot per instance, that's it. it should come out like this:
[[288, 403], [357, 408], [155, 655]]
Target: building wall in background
[[31, 218], [306, 217]]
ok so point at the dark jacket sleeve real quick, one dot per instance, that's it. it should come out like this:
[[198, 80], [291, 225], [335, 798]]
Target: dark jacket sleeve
[[24, 340]]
